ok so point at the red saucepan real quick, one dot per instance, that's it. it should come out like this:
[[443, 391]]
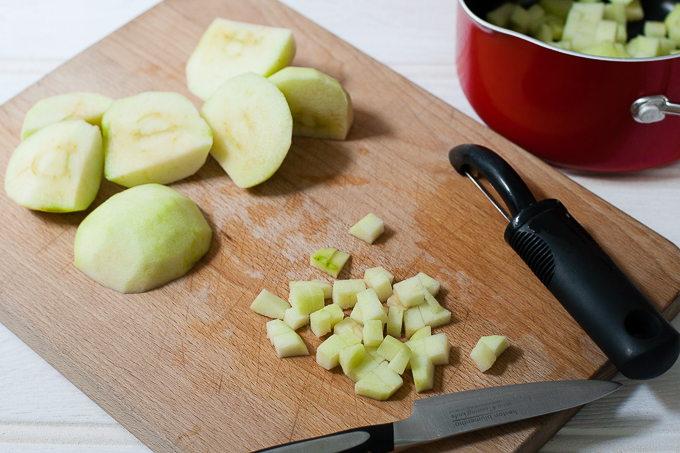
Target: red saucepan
[[571, 109]]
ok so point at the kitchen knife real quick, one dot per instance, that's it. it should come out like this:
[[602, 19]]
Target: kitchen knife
[[442, 416]]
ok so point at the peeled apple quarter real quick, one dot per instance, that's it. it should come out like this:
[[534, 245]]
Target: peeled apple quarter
[[58, 168], [153, 137], [320, 106], [141, 238], [85, 106], [252, 128], [229, 48]]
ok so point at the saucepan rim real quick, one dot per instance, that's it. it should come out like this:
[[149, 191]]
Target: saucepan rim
[[484, 24]]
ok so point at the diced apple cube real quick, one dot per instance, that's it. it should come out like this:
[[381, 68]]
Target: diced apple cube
[[322, 321], [413, 320], [400, 361], [606, 31], [621, 34], [672, 22], [345, 324], [329, 260], [379, 280], [501, 15], [379, 384], [666, 46], [276, 327], [294, 319], [351, 356], [368, 229], [423, 372], [654, 29], [345, 292], [497, 343], [410, 292], [423, 332], [328, 352], [519, 20], [393, 301], [437, 348], [615, 12], [643, 47], [368, 364], [373, 333], [356, 315], [582, 20], [286, 342], [536, 15], [395, 321], [634, 11], [428, 283], [483, 356], [370, 307], [559, 8], [306, 299], [270, 305], [326, 287], [290, 344], [434, 315], [389, 347], [350, 337]]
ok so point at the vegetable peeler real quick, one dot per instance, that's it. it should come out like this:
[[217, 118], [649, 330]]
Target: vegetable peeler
[[621, 321]]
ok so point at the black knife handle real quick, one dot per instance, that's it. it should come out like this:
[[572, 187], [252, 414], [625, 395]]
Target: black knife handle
[[374, 439], [623, 323]]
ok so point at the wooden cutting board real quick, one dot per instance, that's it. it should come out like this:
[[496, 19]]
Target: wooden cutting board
[[188, 368]]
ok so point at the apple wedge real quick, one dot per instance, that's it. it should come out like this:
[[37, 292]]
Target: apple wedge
[[153, 137], [84, 106], [58, 168], [252, 128], [229, 48], [141, 238], [321, 107]]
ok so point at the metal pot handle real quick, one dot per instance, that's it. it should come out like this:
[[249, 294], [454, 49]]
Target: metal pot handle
[[650, 109]]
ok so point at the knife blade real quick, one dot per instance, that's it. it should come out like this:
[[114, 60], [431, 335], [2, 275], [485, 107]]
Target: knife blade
[[446, 415]]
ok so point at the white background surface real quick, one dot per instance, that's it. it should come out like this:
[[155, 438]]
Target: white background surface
[[40, 411]]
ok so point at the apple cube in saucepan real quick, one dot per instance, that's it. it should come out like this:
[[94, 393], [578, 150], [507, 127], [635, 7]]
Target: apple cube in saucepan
[[320, 106], [229, 48], [85, 106], [141, 238], [58, 168], [153, 137], [252, 128]]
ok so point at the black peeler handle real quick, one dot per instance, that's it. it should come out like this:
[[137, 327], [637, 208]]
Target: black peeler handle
[[638, 340]]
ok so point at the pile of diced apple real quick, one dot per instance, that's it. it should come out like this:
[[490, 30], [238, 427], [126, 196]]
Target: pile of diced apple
[[592, 27], [367, 343]]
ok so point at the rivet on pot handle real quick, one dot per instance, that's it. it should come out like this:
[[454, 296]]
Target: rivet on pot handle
[[650, 109]]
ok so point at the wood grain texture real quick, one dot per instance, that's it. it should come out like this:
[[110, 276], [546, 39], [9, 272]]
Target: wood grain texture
[[187, 367]]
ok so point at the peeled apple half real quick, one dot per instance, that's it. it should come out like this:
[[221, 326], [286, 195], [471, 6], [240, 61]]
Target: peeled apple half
[[58, 168], [252, 128], [229, 48], [141, 238]]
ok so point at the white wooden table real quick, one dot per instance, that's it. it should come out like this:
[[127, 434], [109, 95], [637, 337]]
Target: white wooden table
[[41, 411]]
